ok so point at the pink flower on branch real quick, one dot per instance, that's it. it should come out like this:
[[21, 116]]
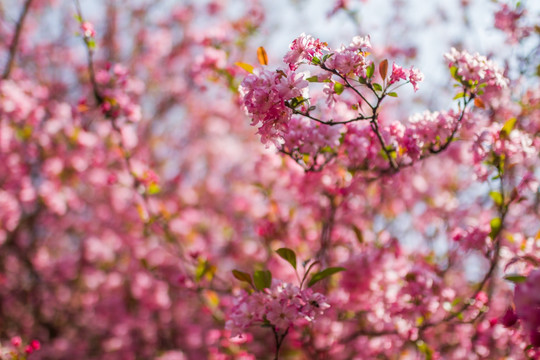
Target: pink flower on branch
[[88, 29], [476, 72], [303, 48], [282, 306], [415, 76], [398, 73]]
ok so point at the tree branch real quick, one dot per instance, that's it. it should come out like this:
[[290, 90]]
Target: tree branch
[[15, 42]]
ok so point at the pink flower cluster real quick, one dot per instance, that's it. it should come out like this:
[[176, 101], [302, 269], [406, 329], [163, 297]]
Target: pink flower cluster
[[413, 75], [120, 92], [474, 238], [265, 93], [424, 129], [341, 75], [507, 19], [527, 301], [282, 306], [350, 60], [304, 47], [18, 350], [518, 145], [309, 137], [475, 71]]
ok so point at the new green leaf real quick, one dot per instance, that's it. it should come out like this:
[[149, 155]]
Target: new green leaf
[[324, 274], [496, 226], [288, 255], [497, 197], [262, 279], [370, 70], [338, 88], [507, 128], [515, 278]]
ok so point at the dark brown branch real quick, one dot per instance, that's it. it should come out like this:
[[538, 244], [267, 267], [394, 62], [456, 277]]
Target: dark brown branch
[[454, 131], [326, 232], [15, 42]]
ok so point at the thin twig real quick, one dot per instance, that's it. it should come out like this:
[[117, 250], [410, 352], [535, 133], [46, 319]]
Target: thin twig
[[90, 58]]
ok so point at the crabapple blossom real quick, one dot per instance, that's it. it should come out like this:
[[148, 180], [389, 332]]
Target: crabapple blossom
[[304, 47], [88, 29], [507, 20], [476, 72], [281, 306]]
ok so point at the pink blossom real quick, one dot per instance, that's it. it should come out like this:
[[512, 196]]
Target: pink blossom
[[88, 29], [16, 341], [398, 73], [264, 95], [348, 62], [476, 71], [509, 318], [303, 48], [360, 43], [282, 306], [35, 344], [415, 76], [507, 20]]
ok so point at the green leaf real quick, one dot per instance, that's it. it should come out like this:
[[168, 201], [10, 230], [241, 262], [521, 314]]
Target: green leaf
[[507, 128], [338, 88], [362, 80], [315, 61], [370, 70], [324, 274], [377, 87], [453, 72], [204, 268], [515, 278], [459, 96], [313, 78], [496, 226], [242, 276], [288, 255], [425, 349], [262, 279], [497, 197], [91, 43], [392, 94]]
